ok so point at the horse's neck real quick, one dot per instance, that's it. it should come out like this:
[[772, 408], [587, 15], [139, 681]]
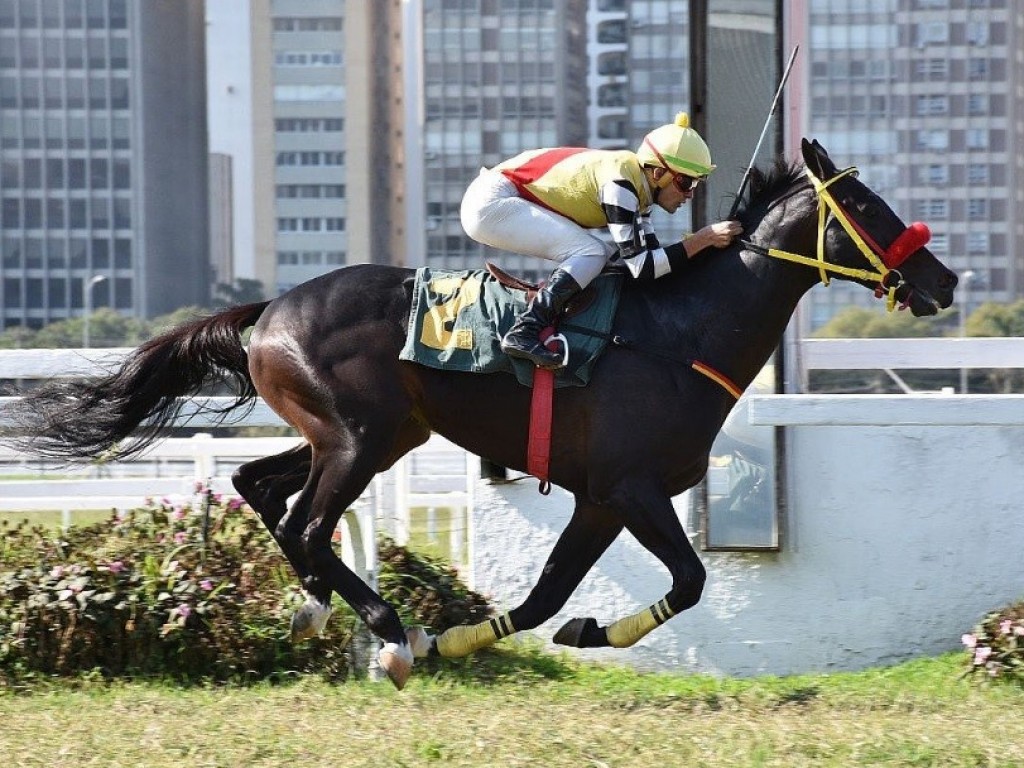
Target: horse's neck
[[744, 301]]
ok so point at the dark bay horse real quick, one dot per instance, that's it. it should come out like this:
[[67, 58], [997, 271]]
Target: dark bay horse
[[324, 356]]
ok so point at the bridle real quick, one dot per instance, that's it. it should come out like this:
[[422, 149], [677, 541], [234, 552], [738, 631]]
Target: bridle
[[885, 261]]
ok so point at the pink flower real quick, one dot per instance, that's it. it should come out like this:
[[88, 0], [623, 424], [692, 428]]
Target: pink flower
[[178, 514], [180, 537], [115, 567], [57, 571], [235, 503], [981, 655], [969, 641], [1005, 626], [206, 585], [184, 610], [1019, 630]]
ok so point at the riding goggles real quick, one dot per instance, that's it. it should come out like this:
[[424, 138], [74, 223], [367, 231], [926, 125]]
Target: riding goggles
[[683, 182]]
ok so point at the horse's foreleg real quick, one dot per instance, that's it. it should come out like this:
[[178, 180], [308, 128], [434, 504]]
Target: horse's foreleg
[[589, 533], [653, 521]]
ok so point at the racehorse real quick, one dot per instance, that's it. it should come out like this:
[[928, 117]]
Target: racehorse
[[324, 356]]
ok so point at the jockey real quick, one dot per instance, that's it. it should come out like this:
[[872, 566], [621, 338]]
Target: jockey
[[542, 202]]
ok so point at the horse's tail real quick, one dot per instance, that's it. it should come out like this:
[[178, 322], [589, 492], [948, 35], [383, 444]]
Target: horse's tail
[[90, 418]]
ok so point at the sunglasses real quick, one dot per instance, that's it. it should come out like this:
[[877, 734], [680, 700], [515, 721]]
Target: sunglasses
[[683, 182]]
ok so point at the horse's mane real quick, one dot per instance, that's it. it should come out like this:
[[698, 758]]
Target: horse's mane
[[765, 187]]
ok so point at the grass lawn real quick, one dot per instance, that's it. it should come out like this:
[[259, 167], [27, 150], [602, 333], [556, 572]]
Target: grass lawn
[[527, 708]]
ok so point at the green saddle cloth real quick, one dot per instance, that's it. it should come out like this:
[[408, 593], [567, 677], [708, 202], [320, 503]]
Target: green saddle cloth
[[458, 318]]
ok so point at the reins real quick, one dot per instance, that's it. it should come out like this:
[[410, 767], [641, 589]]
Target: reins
[[883, 261]]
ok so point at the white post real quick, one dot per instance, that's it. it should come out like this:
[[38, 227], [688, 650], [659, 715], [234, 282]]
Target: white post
[[87, 286], [966, 278]]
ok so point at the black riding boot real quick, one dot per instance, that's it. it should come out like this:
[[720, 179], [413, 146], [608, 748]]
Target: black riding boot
[[523, 338]]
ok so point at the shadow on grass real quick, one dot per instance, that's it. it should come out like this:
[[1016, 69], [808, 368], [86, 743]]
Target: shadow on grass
[[523, 664]]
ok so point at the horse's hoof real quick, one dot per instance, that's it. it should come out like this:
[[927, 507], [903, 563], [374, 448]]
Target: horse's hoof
[[396, 661], [309, 621], [420, 642], [572, 632]]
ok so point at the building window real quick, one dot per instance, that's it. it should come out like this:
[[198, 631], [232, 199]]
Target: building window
[[977, 242], [931, 209], [977, 138], [977, 173], [932, 33], [977, 68], [934, 174], [936, 139], [977, 208], [307, 24], [932, 104]]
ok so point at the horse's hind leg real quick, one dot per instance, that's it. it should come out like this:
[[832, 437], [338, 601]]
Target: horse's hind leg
[[589, 533], [344, 462], [266, 484]]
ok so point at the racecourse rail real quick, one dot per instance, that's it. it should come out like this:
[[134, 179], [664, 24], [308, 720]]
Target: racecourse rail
[[901, 526]]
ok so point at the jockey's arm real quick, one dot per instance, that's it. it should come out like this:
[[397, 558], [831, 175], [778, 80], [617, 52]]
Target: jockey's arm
[[717, 235]]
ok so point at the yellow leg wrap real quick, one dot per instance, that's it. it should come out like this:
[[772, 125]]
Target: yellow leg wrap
[[624, 632], [462, 641]]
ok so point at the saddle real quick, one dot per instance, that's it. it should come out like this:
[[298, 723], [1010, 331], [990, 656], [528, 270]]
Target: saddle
[[576, 305]]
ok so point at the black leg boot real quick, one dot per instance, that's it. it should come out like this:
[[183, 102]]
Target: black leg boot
[[523, 338]]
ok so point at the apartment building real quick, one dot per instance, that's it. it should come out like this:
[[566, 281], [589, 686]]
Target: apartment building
[[103, 159], [924, 96]]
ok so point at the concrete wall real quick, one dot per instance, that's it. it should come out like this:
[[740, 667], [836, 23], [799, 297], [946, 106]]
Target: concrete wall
[[896, 540]]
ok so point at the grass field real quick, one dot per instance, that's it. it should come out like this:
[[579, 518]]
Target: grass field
[[528, 709]]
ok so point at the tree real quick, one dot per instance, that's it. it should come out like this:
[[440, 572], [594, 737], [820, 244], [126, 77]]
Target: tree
[[864, 323], [242, 291]]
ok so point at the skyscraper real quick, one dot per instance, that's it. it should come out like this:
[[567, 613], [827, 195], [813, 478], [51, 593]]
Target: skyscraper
[[924, 97], [103, 162]]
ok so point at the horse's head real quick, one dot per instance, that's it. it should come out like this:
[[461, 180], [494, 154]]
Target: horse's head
[[857, 229]]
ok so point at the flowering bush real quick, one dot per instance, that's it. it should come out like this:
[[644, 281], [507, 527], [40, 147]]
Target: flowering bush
[[996, 646], [165, 591]]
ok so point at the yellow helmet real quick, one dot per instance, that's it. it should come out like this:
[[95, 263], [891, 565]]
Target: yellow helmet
[[677, 147]]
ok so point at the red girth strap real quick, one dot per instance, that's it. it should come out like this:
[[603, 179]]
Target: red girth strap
[[538, 448]]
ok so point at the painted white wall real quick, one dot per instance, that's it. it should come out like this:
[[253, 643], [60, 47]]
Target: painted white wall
[[230, 117], [897, 539]]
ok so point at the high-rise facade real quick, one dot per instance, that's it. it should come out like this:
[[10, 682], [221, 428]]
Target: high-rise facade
[[638, 76], [103, 160], [924, 96], [498, 77]]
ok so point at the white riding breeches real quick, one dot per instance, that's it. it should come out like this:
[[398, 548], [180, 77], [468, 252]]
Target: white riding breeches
[[494, 214]]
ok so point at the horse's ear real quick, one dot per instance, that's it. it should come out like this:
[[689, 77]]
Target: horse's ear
[[817, 159]]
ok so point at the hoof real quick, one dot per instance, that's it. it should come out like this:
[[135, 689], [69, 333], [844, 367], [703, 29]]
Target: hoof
[[420, 642], [309, 621], [573, 632], [396, 661]]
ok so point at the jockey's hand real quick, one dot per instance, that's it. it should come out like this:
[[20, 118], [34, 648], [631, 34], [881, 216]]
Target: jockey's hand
[[717, 235]]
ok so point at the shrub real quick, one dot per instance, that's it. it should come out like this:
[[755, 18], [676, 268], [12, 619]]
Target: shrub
[[996, 646], [183, 593]]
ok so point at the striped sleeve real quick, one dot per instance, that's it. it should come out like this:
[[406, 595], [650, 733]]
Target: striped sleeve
[[632, 232]]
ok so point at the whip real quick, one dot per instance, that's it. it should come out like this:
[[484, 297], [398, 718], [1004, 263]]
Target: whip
[[764, 130]]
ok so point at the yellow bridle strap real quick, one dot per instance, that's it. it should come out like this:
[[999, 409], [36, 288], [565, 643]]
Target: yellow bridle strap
[[827, 203]]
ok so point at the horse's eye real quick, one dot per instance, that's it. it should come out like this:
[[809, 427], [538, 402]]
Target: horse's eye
[[868, 208]]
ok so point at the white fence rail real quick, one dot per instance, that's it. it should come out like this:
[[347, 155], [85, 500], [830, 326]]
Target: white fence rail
[[409, 498]]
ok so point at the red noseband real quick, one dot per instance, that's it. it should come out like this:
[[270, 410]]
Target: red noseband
[[913, 238]]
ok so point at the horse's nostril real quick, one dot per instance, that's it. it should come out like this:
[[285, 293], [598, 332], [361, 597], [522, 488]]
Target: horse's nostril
[[949, 280]]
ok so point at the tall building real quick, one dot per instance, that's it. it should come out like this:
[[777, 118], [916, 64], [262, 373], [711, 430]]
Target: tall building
[[497, 78], [924, 96], [638, 76], [307, 101], [103, 160]]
